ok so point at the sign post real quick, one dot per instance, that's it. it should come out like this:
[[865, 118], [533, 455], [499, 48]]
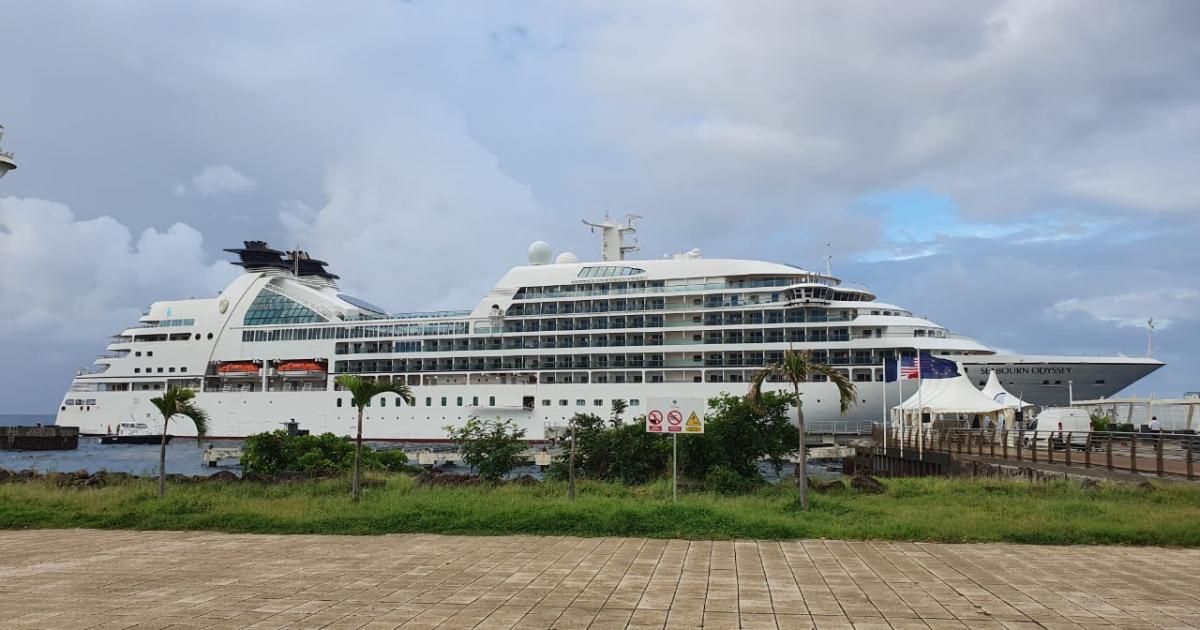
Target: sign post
[[667, 415]]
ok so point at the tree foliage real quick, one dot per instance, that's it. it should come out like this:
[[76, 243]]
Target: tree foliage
[[277, 452], [492, 447], [737, 434], [613, 451], [176, 402]]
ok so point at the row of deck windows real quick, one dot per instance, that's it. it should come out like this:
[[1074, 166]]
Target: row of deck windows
[[458, 402]]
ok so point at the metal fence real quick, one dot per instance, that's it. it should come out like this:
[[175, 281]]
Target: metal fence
[[1158, 453]]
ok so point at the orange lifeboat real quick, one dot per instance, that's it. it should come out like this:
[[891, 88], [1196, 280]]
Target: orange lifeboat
[[239, 368], [300, 368]]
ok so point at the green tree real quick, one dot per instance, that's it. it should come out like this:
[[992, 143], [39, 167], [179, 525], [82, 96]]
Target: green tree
[[177, 401], [362, 391], [491, 447], [737, 435], [796, 368], [613, 451]]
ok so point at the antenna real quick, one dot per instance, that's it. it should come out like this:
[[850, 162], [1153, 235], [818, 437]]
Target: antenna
[[296, 261], [1150, 338], [828, 260]]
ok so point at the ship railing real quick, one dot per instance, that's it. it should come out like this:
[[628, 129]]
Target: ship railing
[[1160, 453], [839, 426]]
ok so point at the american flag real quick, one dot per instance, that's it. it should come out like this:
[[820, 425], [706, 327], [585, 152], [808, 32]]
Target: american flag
[[910, 367]]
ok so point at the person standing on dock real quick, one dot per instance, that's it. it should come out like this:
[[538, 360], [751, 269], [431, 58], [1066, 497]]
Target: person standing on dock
[[1155, 425]]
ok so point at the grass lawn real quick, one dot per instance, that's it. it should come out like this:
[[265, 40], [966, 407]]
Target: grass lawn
[[947, 510]]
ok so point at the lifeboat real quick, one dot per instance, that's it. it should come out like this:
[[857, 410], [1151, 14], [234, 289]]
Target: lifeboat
[[300, 368], [239, 369]]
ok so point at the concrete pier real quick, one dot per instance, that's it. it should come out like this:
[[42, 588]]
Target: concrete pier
[[39, 438]]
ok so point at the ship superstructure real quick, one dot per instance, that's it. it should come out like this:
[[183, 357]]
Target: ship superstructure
[[549, 340]]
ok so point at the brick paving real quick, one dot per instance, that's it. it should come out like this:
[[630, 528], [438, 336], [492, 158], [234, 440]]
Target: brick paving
[[77, 579]]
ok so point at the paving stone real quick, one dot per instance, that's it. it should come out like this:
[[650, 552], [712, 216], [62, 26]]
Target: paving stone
[[114, 580]]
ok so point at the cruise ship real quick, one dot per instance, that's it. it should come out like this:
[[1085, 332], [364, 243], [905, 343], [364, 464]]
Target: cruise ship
[[552, 338]]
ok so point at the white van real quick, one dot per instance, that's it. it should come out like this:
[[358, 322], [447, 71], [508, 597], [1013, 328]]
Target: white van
[[1055, 423]]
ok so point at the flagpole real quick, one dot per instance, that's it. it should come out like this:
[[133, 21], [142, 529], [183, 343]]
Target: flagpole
[[920, 410], [883, 363], [900, 391]]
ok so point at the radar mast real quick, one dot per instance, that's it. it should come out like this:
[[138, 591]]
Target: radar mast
[[612, 237]]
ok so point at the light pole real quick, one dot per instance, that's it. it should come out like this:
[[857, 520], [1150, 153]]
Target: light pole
[[7, 163]]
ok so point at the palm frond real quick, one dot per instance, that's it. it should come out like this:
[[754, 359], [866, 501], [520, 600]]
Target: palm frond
[[177, 401], [847, 391], [363, 390], [754, 396]]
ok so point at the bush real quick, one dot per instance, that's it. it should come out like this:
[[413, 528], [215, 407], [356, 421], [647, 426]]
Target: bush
[[724, 480], [277, 452], [1100, 423], [737, 435], [492, 447], [613, 452]]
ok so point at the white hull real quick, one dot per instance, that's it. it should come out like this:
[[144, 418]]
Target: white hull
[[237, 414]]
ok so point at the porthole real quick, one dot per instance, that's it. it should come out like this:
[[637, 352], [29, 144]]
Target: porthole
[[210, 335]]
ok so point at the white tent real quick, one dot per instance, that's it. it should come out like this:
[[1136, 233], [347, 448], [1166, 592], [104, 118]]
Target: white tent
[[994, 390], [952, 399]]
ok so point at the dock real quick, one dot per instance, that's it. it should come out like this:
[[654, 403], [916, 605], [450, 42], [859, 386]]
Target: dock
[[1101, 455], [39, 438]]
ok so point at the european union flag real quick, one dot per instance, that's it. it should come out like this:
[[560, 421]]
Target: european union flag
[[925, 365]]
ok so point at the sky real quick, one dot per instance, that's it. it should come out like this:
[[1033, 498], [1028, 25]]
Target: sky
[[1024, 172]]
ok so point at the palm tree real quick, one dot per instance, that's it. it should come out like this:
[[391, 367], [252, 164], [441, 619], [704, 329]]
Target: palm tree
[[177, 401], [361, 392], [797, 367]]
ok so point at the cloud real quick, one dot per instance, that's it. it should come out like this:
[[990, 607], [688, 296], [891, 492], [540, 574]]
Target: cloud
[[416, 214], [220, 180], [68, 284], [1166, 306]]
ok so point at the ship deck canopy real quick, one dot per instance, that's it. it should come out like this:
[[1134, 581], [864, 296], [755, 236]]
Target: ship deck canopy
[[994, 390], [952, 399]]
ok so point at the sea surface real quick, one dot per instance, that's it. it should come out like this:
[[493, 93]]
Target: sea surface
[[184, 456]]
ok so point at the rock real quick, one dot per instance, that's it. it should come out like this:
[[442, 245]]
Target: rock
[[5, 475], [525, 480], [832, 485], [431, 478], [868, 484], [224, 475], [1147, 486], [1089, 484], [255, 477]]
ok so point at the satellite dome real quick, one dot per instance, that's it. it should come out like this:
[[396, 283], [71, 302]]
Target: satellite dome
[[539, 253], [566, 258]]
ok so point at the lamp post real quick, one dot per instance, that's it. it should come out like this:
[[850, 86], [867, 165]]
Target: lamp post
[[7, 163]]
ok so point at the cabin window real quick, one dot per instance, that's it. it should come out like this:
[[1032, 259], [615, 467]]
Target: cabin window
[[138, 353], [492, 400], [1099, 381], [598, 402], [398, 399], [160, 370], [382, 402], [562, 402], [137, 370], [339, 402], [443, 401], [545, 402], [579, 402], [458, 401], [182, 369], [634, 402], [428, 401], [171, 370], [149, 353]]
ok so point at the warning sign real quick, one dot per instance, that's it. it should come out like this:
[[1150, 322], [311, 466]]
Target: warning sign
[[682, 415], [654, 421]]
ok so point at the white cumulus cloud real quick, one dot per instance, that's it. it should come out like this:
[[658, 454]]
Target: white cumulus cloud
[[1166, 306], [219, 180]]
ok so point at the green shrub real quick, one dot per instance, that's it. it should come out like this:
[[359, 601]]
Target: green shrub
[[613, 451], [1100, 422], [492, 447], [276, 452], [724, 480], [737, 435]]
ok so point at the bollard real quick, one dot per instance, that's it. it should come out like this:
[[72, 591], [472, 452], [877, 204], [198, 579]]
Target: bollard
[[1087, 451], [1108, 450], [1004, 443], [1050, 448], [1190, 445], [1133, 454], [1020, 442], [1033, 448], [1068, 445]]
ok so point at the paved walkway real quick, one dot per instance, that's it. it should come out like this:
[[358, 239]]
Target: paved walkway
[[116, 580]]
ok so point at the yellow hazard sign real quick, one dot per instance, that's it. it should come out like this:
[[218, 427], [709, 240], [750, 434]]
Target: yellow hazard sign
[[694, 424]]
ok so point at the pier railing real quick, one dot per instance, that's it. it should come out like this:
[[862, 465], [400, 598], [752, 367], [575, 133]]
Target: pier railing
[[1158, 453]]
